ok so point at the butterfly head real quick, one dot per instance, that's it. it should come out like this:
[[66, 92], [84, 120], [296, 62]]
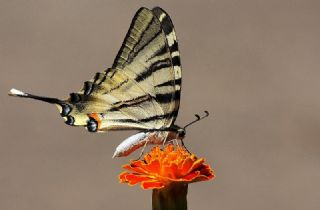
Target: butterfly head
[[178, 131], [181, 133]]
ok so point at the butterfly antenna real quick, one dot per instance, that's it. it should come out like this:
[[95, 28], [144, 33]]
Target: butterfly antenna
[[198, 119], [19, 93]]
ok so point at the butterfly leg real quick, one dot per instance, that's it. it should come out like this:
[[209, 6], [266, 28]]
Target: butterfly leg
[[172, 141], [184, 146], [163, 143], [142, 151], [165, 140], [182, 143]]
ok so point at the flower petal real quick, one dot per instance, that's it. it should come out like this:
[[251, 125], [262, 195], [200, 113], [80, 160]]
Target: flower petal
[[135, 168], [191, 176], [133, 179], [122, 177], [153, 167], [152, 185], [196, 164], [203, 178], [186, 165], [171, 171]]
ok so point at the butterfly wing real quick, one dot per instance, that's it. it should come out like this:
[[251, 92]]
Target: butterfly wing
[[140, 91]]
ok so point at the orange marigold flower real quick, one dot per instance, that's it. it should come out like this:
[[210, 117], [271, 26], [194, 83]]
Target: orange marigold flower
[[162, 167]]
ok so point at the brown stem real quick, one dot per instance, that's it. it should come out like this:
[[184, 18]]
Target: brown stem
[[171, 197]]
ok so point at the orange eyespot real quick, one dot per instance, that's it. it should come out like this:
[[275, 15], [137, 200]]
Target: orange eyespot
[[97, 118]]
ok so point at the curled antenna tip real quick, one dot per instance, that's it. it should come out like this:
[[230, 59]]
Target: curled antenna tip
[[198, 119], [15, 92]]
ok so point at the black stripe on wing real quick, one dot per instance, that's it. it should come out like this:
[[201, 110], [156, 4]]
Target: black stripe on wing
[[160, 64], [170, 83], [167, 97], [131, 102], [149, 119]]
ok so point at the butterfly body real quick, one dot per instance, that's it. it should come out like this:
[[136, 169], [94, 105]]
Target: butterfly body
[[141, 91]]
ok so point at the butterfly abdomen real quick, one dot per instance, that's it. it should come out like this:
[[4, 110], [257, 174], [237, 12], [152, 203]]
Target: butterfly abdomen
[[141, 139]]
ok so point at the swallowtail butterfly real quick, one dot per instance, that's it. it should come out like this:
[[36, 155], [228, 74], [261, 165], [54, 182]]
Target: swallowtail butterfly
[[141, 91]]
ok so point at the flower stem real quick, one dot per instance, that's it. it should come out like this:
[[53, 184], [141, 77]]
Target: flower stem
[[171, 197]]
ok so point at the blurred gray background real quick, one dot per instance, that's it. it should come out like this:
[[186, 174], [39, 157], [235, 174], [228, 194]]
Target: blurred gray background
[[254, 64]]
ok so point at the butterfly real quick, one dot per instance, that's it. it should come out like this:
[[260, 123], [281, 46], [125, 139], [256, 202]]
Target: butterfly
[[141, 91]]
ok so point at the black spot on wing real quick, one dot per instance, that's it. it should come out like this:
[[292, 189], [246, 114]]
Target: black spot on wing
[[92, 125], [176, 61], [66, 109], [177, 81], [174, 47], [88, 87], [70, 120], [75, 97]]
